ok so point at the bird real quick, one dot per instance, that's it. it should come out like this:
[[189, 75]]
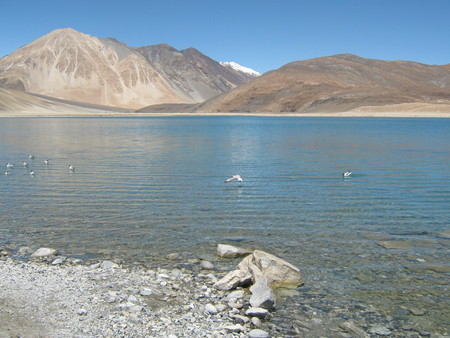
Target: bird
[[7, 172], [9, 165], [31, 173], [71, 168], [347, 173], [234, 178], [31, 157], [25, 164], [47, 162]]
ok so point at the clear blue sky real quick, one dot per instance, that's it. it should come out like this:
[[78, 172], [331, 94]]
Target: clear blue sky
[[259, 34]]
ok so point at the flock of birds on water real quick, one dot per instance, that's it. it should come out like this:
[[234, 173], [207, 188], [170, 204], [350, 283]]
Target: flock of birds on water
[[25, 164]]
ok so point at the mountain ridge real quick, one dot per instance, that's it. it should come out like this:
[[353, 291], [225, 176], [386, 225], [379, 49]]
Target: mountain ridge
[[71, 65], [341, 82]]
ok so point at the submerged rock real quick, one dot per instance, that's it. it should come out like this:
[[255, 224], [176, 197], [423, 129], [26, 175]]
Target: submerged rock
[[225, 250], [44, 252]]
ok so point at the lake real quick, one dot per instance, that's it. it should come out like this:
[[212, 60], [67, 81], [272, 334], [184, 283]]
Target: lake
[[146, 187]]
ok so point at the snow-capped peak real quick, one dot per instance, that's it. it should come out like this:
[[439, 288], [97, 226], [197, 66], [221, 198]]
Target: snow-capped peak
[[240, 68]]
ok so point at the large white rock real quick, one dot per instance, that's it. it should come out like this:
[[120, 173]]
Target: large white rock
[[44, 252], [225, 250], [259, 264]]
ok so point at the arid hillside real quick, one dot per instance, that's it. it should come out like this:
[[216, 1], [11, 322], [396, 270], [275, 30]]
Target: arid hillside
[[70, 65], [340, 83]]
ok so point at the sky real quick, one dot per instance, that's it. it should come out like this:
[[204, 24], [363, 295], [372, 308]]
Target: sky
[[260, 34]]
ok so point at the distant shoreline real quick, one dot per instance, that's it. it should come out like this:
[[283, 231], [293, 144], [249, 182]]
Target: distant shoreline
[[133, 114]]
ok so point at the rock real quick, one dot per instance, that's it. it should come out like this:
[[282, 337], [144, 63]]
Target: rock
[[211, 309], [25, 250], [256, 322], [380, 330], [44, 252], [108, 265], [350, 327], [257, 312], [145, 292], [234, 279], [234, 328], [207, 265], [277, 271], [257, 333], [82, 312], [229, 251], [238, 294], [173, 256], [241, 319], [262, 295], [57, 261]]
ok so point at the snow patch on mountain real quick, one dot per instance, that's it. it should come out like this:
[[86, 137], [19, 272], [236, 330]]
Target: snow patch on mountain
[[240, 68]]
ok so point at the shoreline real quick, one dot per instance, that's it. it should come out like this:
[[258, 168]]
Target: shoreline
[[57, 296], [133, 114]]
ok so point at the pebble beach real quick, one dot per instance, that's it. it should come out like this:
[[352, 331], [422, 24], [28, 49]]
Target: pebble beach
[[56, 296]]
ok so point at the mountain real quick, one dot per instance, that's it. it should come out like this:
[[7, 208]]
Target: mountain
[[233, 65], [340, 83], [70, 65]]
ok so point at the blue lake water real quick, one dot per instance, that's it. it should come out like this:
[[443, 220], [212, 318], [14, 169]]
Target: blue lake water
[[146, 187]]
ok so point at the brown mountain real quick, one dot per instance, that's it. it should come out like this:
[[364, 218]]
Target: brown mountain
[[70, 65], [340, 83]]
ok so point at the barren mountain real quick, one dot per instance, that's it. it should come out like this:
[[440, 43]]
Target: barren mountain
[[71, 65], [337, 84]]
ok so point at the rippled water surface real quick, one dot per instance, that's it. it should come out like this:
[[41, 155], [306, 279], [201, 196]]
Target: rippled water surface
[[146, 187]]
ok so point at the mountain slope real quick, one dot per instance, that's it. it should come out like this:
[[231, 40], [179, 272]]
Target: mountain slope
[[71, 65], [337, 83]]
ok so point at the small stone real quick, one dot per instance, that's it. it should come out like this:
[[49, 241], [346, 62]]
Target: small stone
[[238, 294], [351, 327], [241, 319], [145, 292], [82, 312], [173, 256], [380, 330], [221, 307], [5, 253], [235, 328], [257, 312], [256, 322], [57, 261], [224, 250], [416, 311], [207, 265], [211, 309], [257, 333], [44, 252], [25, 250], [108, 265]]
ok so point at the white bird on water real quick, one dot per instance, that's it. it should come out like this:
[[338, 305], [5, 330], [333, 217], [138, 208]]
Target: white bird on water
[[31, 157], [9, 165], [347, 174], [25, 164], [7, 172], [31, 173], [71, 168], [46, 162], [234, 178]]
